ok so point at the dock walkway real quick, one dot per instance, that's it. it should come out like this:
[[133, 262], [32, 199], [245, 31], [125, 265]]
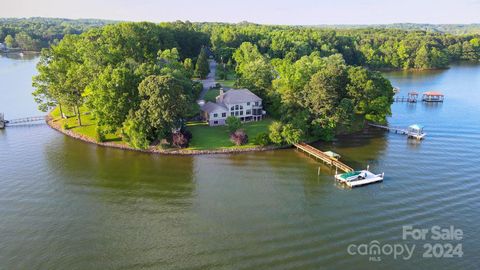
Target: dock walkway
[[322, 156], [394, 129], [19, 121]]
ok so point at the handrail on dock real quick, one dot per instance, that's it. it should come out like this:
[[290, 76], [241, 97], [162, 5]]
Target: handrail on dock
[[322, 156], [18, 121]]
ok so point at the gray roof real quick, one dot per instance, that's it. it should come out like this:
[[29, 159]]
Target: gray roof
[[211, 107], [238, 96]]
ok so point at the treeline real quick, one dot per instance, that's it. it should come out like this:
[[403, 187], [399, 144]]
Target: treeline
[[32, 34], [135, 78], [455, 29], [314, 96], [373, 48]]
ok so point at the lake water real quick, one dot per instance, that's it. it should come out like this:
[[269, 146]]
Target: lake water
[[65, 204]]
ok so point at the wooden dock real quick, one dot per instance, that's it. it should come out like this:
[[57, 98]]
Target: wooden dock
[[19, 121], [405, 99], [322, 156]]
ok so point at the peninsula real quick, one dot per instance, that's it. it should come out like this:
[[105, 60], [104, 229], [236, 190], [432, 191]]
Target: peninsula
[[174, 87]]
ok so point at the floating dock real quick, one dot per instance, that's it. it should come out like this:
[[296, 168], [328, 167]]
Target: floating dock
[[359, 178]]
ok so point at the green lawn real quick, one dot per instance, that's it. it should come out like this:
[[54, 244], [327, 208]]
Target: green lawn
[[88, 124], [203, 136], [211, 94], [229, 82], [206, 137]]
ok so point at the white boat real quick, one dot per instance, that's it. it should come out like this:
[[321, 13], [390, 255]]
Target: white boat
[[359, 178]]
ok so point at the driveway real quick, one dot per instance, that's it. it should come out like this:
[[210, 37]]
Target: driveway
[[209, 81]]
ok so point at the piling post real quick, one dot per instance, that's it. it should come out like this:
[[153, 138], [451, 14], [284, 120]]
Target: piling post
[[318, 173]]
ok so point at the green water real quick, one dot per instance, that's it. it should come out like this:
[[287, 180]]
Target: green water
[[65, 204]]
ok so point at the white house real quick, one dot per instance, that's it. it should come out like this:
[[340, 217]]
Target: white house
[[240, 103]]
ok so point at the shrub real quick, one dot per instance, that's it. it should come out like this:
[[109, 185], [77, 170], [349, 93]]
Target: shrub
[[262, 139], [233, 123], [99, 134], [181, 138], [290, 134], [239, 137], [65, 126], [275, 132]]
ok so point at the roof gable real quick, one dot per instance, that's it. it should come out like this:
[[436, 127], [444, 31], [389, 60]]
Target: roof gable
[[238, 96]]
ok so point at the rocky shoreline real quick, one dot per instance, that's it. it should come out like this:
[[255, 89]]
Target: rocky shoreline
[[51, 122]]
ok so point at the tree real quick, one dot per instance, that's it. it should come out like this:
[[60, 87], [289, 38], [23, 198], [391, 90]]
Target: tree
[[262, 139], [422, 60], [164, 103], [202, 68], [9, 41], [275, 132], [26, 42], [233, 123], [290, 134], [111, 96], [188, 65]]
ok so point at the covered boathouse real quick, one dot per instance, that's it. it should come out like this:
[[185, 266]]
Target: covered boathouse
[[432, 96]]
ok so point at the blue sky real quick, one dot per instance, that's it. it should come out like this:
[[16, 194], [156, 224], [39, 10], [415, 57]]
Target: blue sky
[[259, 11]]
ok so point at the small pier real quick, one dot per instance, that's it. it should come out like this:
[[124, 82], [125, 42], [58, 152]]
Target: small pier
[[19, 121], [414, 131], [312, 151], [411, 98]]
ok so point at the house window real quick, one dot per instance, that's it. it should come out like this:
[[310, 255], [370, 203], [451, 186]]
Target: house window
[[232, 113], [236, 113], [215, 122], [256, 103], [248, 103], [232, 108], [241, 107], [248, 112], [241, 112], [236, 107], [224, 114], [215, 115]]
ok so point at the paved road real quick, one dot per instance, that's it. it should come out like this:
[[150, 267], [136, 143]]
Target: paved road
[[210, 80]]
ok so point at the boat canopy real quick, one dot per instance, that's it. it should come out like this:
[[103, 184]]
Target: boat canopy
[[332, 154], [416, 127]]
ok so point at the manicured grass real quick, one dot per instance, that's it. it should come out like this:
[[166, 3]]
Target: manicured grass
[[211, 94], [229, 82], [88, 127], [205, 137]]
